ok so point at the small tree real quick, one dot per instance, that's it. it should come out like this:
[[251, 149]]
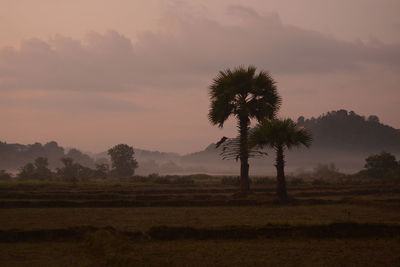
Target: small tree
[[381, 165], [74, 172], [101, 171], [39, 170], [70, 171], [280, 135], [27, 172], [123, 161], [42, 172]]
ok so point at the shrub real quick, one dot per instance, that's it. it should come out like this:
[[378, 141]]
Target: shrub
[[162, 180], [173, 179], [264, 181], [139, 179], [229, 180], [153, 175], [383, 165], [183, 181], [319, 182], [4, 176], [37, 171], [296, 181]]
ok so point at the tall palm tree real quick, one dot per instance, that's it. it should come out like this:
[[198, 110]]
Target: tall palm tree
[[244, 94], [280, 135]]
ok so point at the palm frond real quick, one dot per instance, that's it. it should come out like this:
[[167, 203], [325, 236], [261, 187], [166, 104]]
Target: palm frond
[[276, 132], [242, 91], [231, 149]]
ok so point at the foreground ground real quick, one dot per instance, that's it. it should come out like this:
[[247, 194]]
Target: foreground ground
[[326, 225]]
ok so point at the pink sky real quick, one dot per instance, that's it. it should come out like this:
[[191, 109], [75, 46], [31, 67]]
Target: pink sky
[[91, 74]]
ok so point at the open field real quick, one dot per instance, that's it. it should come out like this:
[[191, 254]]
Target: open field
[[203, 224], [300, 252], [142, 218]]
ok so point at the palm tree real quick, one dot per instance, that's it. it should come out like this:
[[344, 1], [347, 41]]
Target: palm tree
[[280, 135], [246, 95]]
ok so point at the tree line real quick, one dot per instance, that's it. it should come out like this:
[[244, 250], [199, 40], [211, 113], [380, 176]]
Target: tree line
[[12, 156], [123, 165]]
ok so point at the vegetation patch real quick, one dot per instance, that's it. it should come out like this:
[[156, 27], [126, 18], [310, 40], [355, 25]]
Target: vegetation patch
[[95, 237], [333, 230]]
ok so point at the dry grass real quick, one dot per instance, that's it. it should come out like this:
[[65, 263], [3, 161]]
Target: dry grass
[[369, 203], [300, 252], [132, 219]]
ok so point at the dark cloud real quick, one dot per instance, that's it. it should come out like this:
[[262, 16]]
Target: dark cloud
[[193, 52]]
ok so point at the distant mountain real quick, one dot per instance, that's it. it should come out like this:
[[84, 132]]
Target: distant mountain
[[343, 130]]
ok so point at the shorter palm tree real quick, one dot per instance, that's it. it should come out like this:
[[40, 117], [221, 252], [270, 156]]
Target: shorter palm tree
[[279, 135]]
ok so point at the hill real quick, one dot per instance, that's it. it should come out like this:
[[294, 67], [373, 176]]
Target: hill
[[349, 131]]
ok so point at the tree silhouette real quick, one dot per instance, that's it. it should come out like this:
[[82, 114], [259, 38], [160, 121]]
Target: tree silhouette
[[381, 165], [39, 170], [42, 170], [123, 162], [27, 172], [70, 171], [246, 95], [280, 135], [4, 175]]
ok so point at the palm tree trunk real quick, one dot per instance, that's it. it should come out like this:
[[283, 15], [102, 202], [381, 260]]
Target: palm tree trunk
[[244, 154], [280, 171]]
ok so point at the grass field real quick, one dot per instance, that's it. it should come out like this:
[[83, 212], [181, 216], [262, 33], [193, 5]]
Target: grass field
[[203, 208]]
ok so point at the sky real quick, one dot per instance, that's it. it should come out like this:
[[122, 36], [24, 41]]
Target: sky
[[93, 73]]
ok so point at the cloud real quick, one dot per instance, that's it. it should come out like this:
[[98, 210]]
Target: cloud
[[72, 103], [185, 58]]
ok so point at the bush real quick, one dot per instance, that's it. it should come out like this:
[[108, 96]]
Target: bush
[[37, 171], [173, 179], [183, 181], [383, 165], [264, 181], [200, 176], [162, 180], [4, 176], [229, 180], [153, 175], [319, 182], [139, 179], [296, 181]]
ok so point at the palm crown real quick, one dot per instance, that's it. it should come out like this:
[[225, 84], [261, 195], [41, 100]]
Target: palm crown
[[280, 133], [243, 93]]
